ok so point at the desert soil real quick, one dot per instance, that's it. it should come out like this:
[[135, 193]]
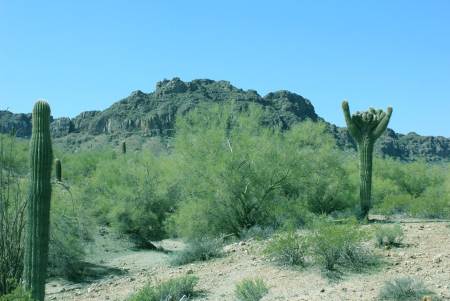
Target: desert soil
[[426, 255]]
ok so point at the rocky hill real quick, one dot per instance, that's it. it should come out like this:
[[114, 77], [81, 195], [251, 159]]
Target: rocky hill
[[143, 115]]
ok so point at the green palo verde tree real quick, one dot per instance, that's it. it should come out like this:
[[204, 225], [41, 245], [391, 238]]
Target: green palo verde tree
[[38, 222], [366, 128]]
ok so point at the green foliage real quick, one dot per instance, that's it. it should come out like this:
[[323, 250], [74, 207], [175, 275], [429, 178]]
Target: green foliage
[[319, 178], [288, 248], [129, 194], [251, 290], [199, 249], [413, 178], [17, 295], [404, 289], [172, 290], [433, 203], [389, 236], [418, 189], [339, 246], [234, 174], [38, 218], [12, 211], [69, 235]]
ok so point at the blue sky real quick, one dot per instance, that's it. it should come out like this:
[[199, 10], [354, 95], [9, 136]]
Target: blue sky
[[85, 55]]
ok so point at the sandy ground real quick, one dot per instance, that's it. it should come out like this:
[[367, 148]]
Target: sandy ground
[[425, 256]]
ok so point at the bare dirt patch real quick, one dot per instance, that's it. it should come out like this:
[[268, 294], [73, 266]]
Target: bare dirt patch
[[425, 255]]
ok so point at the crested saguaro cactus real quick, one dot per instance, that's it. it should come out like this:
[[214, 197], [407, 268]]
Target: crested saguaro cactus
[[366, 128], [38, 222], [58, 170]]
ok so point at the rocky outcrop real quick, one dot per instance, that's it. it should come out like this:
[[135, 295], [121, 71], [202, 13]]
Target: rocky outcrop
[[154, 114], [18, 123]]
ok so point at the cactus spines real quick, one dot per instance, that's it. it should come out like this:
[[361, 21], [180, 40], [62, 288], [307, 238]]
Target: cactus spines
[[124, 147], [58, 170], [366, 128], [38, 222]]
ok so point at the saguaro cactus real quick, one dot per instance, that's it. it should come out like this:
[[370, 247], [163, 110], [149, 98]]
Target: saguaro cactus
[[38, 222], [58, 170], [124, 147], [366, 128]]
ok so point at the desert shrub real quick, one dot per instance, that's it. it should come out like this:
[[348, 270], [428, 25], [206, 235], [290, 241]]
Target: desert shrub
[[433, 203], [412, 178], [403, 289], [17, 294], [288, 249], [389, 236], [339, 246], [12, 211], [128, 193], [257, 232], [172, 290], [394, 204], [417, 189], [251, 290], [66, 247], [199, 249]]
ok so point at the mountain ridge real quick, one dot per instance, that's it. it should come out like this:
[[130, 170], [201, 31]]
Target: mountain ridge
[[153, 115]]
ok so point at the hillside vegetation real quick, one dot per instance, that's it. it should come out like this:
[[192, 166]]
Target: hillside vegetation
[[143, 115], [223, 174]]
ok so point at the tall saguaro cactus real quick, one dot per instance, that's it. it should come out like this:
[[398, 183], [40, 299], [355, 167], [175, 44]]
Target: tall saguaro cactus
[[38, 223], [124, 147], [366, 128]]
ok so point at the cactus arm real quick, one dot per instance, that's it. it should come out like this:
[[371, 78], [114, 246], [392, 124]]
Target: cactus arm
[[381, 127], [353, 128]]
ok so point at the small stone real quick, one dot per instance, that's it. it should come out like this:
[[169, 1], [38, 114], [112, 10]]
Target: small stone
[[437, 259], [322, 290]]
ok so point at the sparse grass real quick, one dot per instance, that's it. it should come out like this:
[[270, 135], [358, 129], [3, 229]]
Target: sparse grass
[[257, 232], [389, 236], [288, 249], [251, 290], [181, 288], [403, 289], [340, 246], [201, 249]]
